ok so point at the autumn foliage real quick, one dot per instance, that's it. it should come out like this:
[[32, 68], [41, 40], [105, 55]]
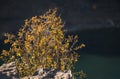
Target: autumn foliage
[[41, 43]]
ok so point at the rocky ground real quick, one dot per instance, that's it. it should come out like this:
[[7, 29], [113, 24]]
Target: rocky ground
[[8, 71]]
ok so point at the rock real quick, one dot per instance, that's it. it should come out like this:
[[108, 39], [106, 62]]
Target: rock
[[8, 71], [63, 75]]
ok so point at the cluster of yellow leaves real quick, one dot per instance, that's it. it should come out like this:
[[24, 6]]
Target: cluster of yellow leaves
[[81, 74], [41, 43]]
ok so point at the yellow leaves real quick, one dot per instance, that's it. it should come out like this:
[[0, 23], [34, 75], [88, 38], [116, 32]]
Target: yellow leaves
[[54, 65], [43, 51], [66, 45], [76, 60], [12, 57], [49, 60], [62, 67], [39, 29], [6, 41], [29, 37], [69, 39], [81, 74], [27, 44], [26, 22], [48, 21], [20, 34], [62, 48], [54, 32], [79, 47], [14, 44], [1, 57], [9, 35], [76, 37], [55, 47], [41, 42], [33, 57], [60, 32], [62, 62], [5, 53], [9, 38], [18, 54], [48, 57], [33, 18], [53, 54], [82, 45]]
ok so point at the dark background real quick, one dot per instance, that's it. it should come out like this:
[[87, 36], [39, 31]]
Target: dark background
[[97, 22]]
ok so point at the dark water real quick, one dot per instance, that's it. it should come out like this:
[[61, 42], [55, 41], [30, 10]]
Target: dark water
[[99, 67]]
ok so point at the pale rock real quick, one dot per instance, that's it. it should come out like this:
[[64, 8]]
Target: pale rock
[[8, 71]]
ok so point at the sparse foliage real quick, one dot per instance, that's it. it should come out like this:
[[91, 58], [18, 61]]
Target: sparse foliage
[[80, 74], [41, 43]]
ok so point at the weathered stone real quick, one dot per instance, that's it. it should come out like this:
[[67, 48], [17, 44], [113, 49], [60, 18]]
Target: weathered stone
[[8, 71]]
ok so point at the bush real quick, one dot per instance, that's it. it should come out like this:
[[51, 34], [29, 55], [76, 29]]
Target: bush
[[41, 43]]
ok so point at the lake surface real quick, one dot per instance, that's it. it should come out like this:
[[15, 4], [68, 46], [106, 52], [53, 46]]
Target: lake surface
[[99, 67]]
